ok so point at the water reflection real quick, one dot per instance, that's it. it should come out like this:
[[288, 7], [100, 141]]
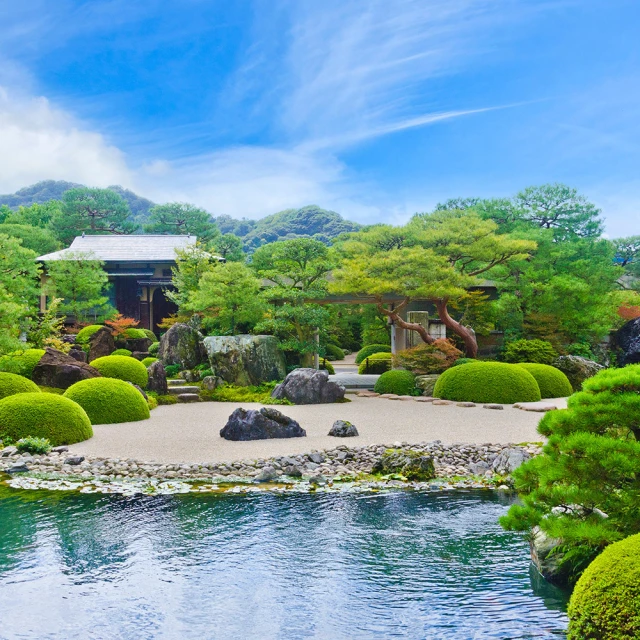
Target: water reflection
[[296, 566]]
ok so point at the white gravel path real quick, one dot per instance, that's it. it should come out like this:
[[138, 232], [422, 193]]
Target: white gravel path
[[190, 433]]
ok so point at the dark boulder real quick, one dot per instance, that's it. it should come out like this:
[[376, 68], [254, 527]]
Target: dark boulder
[[343, 429], [78, 354], [260, 425], [577, 369], [138, 344], [57, 369], [182, 345], [157, 378], [101, 344], [627, 343], [413, 465], [308, 386]]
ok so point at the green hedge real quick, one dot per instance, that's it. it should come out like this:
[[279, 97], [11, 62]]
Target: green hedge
[[487, 382], [108, 400], [537, 351], [134, 334], [11, 383], [334, 352], [123, 368], [401, 382], [84, 335], [21, 363], [552, 382], [375, 363], [370, 349], [121, 352], [605, 603], [44, 415], [148, 361]]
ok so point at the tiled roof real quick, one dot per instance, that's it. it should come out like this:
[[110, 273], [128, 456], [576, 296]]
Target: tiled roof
[[112, 248]]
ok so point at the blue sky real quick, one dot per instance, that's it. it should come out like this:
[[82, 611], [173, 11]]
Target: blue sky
[[376, 109]]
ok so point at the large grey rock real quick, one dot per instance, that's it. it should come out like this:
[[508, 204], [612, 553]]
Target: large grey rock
[[577, 369], [57, 369], [308, 386], [547, 559], [157, 378], [101, 344], [78, 354], [260, 425], [508, 460], [627, 341], [427, 383], [182, 345], [245, 360], [140, 345], [411, 464]]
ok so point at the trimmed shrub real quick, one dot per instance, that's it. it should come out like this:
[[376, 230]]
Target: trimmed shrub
[[121, 352], [492, 382], [334, 352], [152, 402], [172, 370], [10, 384], [460, 361], [370, 349], [401, 382], [536, 351], [123, 368], [162, 400], [148, 361], [327, 366], [606, 601], [154, 348], [109, 400], [84, 335], [375, 363], [149, 334], [425, 358], [33, 445], [552, 382], [21, 362], [44, 415], [134, 334]]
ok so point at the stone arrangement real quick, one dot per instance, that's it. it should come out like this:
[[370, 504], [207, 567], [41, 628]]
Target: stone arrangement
[[260, 424], [309, 386]]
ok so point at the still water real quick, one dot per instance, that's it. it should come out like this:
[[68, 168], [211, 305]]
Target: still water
[[329, 566]]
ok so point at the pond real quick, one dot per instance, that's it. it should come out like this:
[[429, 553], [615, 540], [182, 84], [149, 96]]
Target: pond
[[330, 566]]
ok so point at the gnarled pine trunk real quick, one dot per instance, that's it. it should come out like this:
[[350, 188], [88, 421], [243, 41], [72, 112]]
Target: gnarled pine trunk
[[468, 335]]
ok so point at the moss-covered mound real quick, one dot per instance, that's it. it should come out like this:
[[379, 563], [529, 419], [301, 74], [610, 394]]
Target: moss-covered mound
[[552, 382], [538, 351], [10, 384], [493, 382], [108, 400], [370, 349], [121, 352], [327, 366], [605, 604], [84, 335], [22, 362], [375, 363], [401, 382], [134, 334], [334, 352], [123, 368], [154, 348], [149, 334], [44, 415], [149, 361]]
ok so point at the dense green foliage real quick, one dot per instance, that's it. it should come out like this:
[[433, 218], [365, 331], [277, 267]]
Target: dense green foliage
[[84, 335], [232, 393], [333, 352], [492, 382], [181, 218], [121, 352], [11, 383], [108, 400], [154, 348], [370, 349], [375, 363], [149, 361], [552, 382], [123, 368], [461, 361], [39, 240], [44, 415], [401, 382], [605, 603], [428, 358], [536, 351], [590, 466], [327, 366], [149, 334], [21, 362], [33, 445]]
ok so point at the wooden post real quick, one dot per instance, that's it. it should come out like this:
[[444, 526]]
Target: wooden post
[[316, 355]]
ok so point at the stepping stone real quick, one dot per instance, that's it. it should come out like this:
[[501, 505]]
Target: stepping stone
[[402, 398], [391, 396], [176, 383], [499, 407], [188, 397], [424, 399], [176, 391], [442, 402], [367, 394], [465, 404], [540, 407]]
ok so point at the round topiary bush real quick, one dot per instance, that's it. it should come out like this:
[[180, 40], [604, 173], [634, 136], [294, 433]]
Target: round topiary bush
[[84, 335], [134, 334], [552, 382], [375, 363], [327, 366], [370, 349], [121, 352], [148, 361], [493, 382], [605, 603], [123, 368], [154, 348], [149, 334], [44, 415], [334, 352], [401, 382], [108, 400], [537, 351], [460, 361], [10, 384], [21, 362]]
